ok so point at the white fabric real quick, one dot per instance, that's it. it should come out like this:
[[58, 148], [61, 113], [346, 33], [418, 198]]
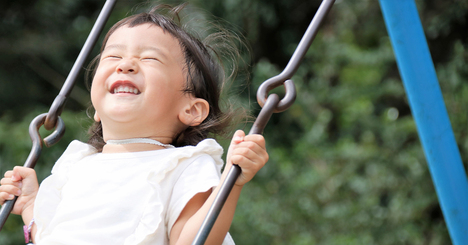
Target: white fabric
[[122, 198]]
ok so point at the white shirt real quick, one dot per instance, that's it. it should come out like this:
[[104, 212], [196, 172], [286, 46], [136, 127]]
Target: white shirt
[[122, 198]]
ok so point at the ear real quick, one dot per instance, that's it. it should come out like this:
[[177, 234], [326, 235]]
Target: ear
[[96, 117], [195, 112]]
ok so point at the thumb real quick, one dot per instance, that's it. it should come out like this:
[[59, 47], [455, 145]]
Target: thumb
[[20, 173], [238, 137]]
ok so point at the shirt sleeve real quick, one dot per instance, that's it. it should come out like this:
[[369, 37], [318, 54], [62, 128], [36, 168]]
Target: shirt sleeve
[[199, 176]]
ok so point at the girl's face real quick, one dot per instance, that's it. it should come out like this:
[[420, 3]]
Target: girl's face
[[137, 89]]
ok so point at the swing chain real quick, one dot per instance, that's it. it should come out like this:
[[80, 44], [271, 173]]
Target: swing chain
[[293, 64], [59, 103], [56, 108], [34, 154]]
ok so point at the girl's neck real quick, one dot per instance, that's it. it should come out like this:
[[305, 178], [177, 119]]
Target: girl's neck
[[133, 145], [130, 148]]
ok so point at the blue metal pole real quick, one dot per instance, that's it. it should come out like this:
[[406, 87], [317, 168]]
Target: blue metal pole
[[428, 109]]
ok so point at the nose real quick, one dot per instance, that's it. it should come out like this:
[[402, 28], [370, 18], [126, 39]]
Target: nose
[[127, 66]]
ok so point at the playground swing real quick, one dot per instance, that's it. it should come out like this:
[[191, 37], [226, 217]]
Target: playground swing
[[269, 103], [416, 69]]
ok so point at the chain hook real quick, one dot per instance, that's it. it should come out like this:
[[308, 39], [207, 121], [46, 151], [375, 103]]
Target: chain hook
[[36, 139], [268, 85]]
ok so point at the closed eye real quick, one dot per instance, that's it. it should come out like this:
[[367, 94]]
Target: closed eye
[[150, 58], [111, 57]]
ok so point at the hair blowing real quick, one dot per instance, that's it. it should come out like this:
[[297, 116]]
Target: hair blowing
[[205, 75]]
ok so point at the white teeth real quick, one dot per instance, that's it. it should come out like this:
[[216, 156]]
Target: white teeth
[[125, 89]]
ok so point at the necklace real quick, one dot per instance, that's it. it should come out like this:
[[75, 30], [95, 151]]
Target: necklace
[[138, 140]]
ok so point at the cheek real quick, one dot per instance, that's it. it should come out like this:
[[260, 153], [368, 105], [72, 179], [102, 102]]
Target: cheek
[[96, 92], [99, 80], [93, 96], [103, 70], [98, 75]]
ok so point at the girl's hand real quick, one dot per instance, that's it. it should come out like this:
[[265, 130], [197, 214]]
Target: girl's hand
[[20, 182], [249, 153]]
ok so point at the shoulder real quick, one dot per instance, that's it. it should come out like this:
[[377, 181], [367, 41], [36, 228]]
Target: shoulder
[[207, 150], [79, 147], [189, 164], [208, 147], [201, 169], [75, 151]]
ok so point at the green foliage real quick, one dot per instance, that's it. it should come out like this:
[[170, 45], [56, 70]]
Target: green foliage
[[346, 165]]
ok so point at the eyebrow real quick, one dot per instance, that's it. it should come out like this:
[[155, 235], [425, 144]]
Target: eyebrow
[[141, 48]]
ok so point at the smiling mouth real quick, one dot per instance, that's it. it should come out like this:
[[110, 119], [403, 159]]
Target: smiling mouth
[[125, 89], [122, 87]]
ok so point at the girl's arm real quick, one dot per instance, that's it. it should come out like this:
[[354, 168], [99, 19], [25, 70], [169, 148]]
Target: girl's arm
[[21, 182], [250, 154]]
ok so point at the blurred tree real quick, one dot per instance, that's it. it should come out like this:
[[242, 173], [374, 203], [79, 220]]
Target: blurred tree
[[346, 165]]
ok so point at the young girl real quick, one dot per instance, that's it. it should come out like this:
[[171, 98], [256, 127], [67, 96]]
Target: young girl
[[149, 174]]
